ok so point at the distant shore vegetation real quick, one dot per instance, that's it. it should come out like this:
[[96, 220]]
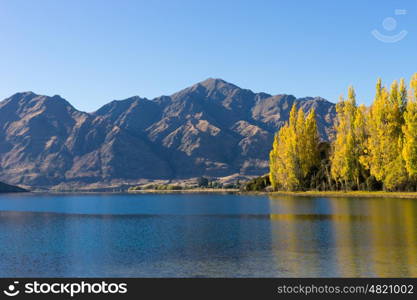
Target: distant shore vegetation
[[200, 184], [373, 148]]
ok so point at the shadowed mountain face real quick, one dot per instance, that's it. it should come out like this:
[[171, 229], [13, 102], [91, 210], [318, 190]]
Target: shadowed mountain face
[[213, 128], [6, 188]]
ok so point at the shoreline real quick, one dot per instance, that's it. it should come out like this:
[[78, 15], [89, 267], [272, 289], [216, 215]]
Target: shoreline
[[341, 194], [190, 191], [334, 194]]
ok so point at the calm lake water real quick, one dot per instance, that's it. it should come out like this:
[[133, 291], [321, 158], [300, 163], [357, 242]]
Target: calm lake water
[[205, 235]]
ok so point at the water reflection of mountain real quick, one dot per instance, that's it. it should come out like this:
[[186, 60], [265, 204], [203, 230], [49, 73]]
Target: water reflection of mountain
[[344, 236], [207, 236]]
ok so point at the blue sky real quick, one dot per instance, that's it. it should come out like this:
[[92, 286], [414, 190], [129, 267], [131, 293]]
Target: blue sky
[[91, 52]]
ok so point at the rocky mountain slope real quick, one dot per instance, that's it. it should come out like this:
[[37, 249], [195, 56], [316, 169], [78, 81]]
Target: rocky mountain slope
[[6, 188], [212, 128]]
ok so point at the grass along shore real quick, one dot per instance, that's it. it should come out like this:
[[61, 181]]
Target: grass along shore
[[341, 194], [363, 194], [184, 191]]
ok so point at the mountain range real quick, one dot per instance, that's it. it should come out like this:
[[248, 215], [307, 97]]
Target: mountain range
[[212, 128]]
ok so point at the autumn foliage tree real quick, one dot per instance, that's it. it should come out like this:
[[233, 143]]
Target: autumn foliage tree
[[384, 145], [295, 153], [409, 129], [373, 147], [348, 145]]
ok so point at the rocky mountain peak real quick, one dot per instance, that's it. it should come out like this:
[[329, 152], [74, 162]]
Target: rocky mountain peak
[[216, 83], [212, 128]]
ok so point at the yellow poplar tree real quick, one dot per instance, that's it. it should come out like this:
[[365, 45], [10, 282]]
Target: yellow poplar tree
[[345, 164], [384, 147], [283, 160], [273, 163], [410, 130], [402, 95], [379, 141], [301, 154], [295, 151], [312, 140], [376, 141], [360, 131]]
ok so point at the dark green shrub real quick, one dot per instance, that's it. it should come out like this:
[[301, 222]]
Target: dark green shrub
[[257, 184], [202, 182]]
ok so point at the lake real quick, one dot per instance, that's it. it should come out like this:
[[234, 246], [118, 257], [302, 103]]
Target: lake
[[205, 235]]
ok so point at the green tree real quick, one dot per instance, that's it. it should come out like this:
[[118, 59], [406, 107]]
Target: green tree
[[202, 182]]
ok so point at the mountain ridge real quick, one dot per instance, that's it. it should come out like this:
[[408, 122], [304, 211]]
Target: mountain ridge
[[212, 128]]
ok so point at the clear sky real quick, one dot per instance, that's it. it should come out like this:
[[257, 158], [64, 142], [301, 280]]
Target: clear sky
[[91, 52]]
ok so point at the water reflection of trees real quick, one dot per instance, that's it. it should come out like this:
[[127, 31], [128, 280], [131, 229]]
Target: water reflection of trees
[[344, 236]]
